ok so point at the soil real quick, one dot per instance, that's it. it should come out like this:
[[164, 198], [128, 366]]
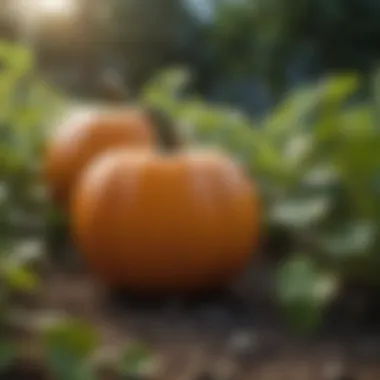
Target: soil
[[234, 334]]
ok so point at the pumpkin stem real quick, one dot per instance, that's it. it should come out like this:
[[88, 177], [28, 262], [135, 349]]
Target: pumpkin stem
[[169, 135]]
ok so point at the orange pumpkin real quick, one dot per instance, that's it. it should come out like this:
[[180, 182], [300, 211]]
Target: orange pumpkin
[[84, 136], [147, 221]]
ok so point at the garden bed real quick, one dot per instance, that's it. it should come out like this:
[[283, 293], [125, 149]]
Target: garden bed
[[235, 334]]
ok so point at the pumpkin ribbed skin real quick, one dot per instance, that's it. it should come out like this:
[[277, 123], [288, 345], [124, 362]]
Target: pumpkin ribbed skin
[[152, 222], [84, 136]]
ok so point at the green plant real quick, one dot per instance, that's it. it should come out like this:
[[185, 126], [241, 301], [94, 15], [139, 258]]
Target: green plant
[[69, 346], [134, 362], [16, 277], [26, 104], [316, 158]]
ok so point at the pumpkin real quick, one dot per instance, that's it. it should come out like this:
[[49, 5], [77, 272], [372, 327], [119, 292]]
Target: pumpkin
[[85, 135], [149, 221]]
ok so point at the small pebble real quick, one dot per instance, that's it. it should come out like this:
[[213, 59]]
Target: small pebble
[[244, 343]]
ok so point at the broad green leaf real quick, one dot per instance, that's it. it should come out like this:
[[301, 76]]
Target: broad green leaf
[[323, 176], [164, 88], [297, 150], [174, 79], [71, 336], [350, 239], [135, 360], [300, 213], [304, 292], [339, 88], [269, 162], [358, 121], [19, 277], [358, 160], [332, 115], [8, 353], [4, 192], [24, 252], [66, 366], [295, 279], [293, 112]]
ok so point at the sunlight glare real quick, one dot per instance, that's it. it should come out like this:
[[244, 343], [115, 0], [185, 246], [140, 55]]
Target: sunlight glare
[[45, 8], [54, 6]]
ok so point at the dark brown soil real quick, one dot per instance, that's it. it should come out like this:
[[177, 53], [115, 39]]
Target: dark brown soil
[[25, 370], [227, 335]]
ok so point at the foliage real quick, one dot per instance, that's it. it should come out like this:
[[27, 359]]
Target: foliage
[[304, 291], [253, 51], [69, 346], [135, 361], [316, 159], [7, 354], [252, 36], [26, 104], [28, 107], [263, 34]]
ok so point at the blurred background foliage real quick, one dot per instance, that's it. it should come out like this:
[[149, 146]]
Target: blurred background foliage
[[288, 87], [27, 105], [248, 52]]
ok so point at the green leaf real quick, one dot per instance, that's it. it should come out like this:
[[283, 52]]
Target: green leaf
[[8, 353], [356, 238], [67, 366], [300, 213], [358, 121], [338, 88], [269, 162], [296, 279], [164, 88], [19, 278], [297, 152], [323, 176], [135, 360], [304, 292], [75, 337], [24, 253], [293, 112]]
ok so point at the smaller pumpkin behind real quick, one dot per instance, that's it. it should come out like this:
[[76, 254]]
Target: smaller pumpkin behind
[[88, 134]]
